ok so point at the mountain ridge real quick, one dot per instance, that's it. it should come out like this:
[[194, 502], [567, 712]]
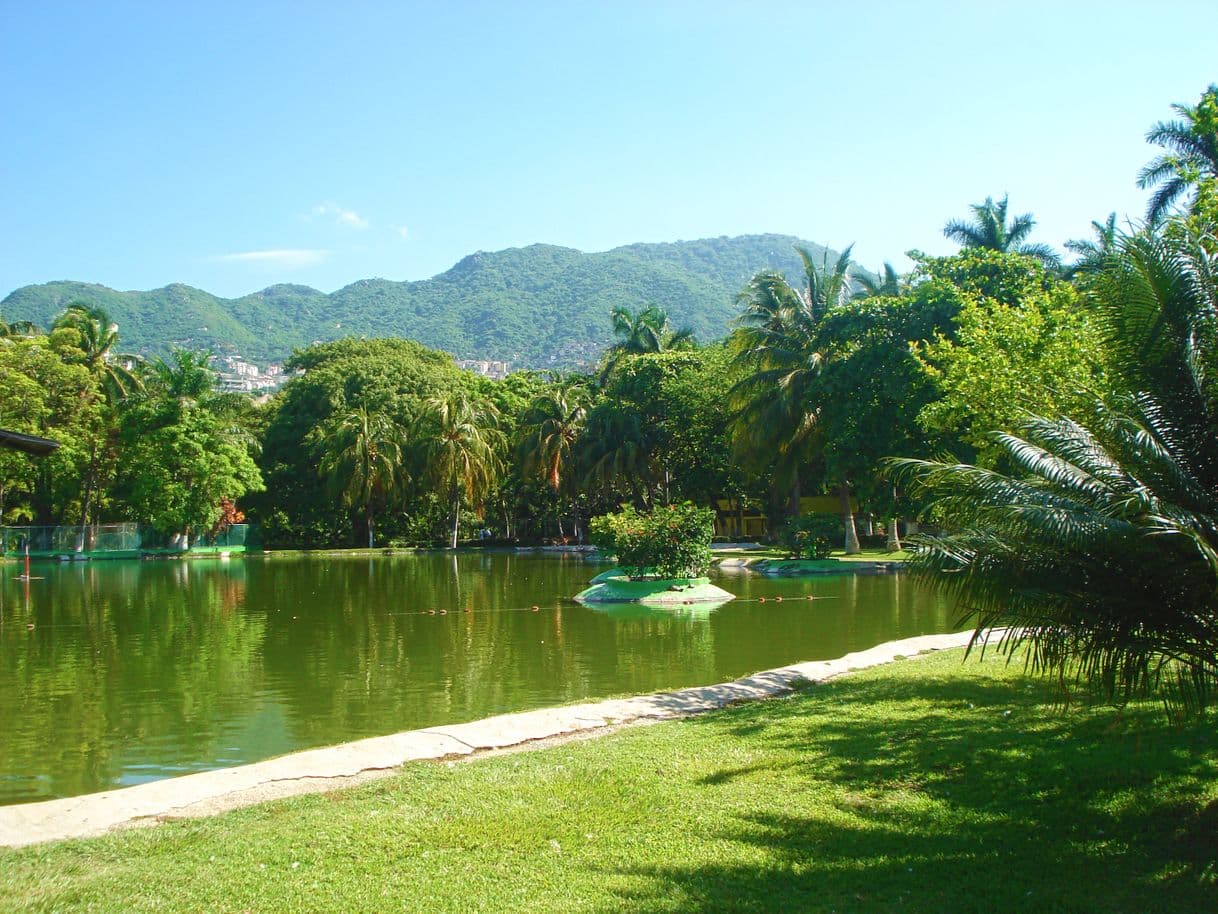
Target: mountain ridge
[[489, 304]]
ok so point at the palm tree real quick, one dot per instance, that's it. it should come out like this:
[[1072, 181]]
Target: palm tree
[[98, 337], [889, 284], [778, 348], [649, 330], [1191, 159], [552, 426], [363, 460], [1101, 552], [989, 230], [1092, 255], [462, 450]]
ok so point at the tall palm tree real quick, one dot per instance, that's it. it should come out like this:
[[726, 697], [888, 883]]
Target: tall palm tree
[[648, 330], [778, 348], [98, 339], [551, 428], [1191, 158], [889, 283], [362, 460], [1093, 254], [462, 450], [1101, 551], [989, 230]]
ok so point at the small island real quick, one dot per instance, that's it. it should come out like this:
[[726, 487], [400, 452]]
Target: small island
[[663, 556]]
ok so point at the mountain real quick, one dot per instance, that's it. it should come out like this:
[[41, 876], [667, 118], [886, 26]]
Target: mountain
[[538, 306]]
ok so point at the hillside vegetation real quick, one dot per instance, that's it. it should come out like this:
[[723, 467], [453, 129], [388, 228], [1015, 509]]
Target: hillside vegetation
[[489, 305]]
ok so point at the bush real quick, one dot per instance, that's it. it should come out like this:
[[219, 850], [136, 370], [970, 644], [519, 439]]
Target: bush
[[667, 542], [812, 536]]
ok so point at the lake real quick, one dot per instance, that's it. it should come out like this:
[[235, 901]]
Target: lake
[[141, 670]]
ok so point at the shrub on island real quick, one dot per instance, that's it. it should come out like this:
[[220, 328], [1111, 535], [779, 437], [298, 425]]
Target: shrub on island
[[812, 536], [671, 541]]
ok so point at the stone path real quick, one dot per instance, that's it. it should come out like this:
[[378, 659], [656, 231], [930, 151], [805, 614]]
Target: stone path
[[316, 770]]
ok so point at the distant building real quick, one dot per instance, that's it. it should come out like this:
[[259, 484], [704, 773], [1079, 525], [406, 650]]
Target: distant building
[[488, 368]]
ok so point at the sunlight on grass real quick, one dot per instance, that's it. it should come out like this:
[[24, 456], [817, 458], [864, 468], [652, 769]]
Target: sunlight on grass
[[923, 786]]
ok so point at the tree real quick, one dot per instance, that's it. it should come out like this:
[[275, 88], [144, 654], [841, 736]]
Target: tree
[[1189, 169], [98, 335], [461, 450], [551, 428], [1100, 550], [363, 460], [989, 229], [1093, 254], [182, 456], [648, 330], [777, 349], [17, 329]]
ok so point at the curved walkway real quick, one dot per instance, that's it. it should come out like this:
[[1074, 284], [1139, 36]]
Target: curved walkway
[[316, 770]]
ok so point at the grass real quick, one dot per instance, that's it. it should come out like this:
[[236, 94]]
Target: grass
[[920, 786]]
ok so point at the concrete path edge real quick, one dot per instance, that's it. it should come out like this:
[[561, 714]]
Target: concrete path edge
[[316, 770]]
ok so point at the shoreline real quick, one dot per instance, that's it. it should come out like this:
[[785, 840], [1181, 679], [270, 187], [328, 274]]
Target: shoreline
[[346, 764]]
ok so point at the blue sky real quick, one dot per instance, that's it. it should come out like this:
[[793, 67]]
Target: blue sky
[[232, 146]]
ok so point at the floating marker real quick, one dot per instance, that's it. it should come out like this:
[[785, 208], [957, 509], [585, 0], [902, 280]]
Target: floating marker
[[778, 599], [536, 608]]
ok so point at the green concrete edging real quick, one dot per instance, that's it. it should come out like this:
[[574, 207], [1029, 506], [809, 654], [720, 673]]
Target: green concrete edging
[[661, 591], [319, 770], [800, 567]]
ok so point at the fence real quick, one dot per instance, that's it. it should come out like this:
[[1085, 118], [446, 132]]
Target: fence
[[116, 541]]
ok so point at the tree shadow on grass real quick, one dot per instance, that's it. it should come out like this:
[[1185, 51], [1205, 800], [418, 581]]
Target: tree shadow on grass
[[962, 794]]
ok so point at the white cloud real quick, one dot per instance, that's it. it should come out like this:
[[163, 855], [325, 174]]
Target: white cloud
[[347, 218], [282, 257], [401, 231]]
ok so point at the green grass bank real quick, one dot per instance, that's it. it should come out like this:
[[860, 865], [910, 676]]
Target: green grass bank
[[920, 786]]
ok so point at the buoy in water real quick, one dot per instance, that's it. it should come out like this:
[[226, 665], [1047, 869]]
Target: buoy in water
[[29, 626], [778, 599], [761, 599], [535, 607]]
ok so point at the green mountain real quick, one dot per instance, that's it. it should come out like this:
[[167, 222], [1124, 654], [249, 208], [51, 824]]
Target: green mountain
[[539, 306]]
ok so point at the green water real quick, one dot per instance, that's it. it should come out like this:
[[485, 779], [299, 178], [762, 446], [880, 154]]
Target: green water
[[141, 670]]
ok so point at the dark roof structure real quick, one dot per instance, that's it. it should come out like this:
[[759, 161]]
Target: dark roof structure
[[30, 444]]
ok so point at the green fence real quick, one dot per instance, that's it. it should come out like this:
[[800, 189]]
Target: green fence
[[101, 541]]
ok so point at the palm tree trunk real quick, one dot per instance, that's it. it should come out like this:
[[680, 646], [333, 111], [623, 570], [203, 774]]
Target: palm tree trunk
[[852, 536], [371, 524], [894, 535], [456, 520]]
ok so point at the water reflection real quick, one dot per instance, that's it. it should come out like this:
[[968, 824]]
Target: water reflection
[[139, 670]]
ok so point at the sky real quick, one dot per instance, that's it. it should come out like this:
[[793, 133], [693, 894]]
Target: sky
[[232, 146]]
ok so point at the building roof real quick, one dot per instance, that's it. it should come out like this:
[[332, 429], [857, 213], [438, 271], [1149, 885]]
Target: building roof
[[39, 447]]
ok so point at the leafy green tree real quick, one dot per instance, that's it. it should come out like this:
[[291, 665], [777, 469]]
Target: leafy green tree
[[1189, 168], [990, 230], [44, 393], [1045, 354], [1100, 549], [181, 454], [390, 376], [362, 459], [461, 447]]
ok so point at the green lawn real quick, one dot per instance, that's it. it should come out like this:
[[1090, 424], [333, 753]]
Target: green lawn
[[921, 786]]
